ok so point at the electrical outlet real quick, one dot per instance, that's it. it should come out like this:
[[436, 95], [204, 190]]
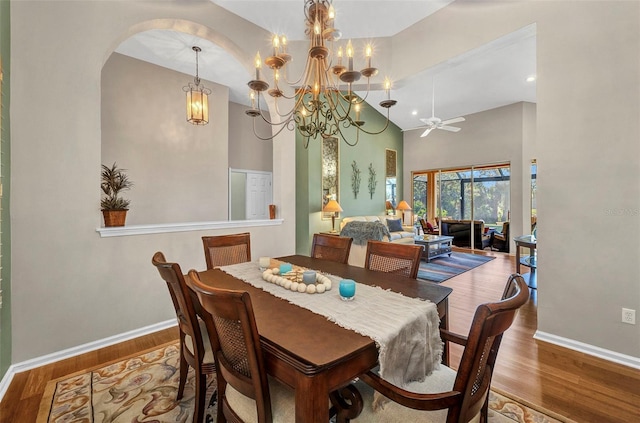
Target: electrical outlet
[[628, 316]]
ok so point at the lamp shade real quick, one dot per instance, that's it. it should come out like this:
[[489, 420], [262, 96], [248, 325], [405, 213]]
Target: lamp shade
[[332, 207], [404, 206]]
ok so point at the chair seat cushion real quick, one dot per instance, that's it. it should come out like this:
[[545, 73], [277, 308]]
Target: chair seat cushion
[[208, 354], [283, 405], [440, 380]]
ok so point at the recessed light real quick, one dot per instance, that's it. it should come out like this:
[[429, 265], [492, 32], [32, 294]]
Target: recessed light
[[531, 78], [415, 112]]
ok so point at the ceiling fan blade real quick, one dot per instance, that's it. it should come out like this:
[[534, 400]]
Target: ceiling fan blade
[[424, 120], [454, 120], [425, 133], [414, 128], [449, 128]]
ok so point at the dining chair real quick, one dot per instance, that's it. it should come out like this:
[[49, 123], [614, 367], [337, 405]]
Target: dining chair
[[446, 395], [195, 348], [223, 250], [331, 247], [245, 392], [403, 259]]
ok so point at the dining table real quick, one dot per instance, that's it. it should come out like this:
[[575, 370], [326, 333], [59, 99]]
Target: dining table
[[308, 352]]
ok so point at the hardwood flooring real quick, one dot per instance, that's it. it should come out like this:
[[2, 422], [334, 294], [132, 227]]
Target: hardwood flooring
[[575, 385]]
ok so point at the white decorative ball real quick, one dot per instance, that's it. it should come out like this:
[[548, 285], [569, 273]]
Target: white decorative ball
[[267, 272], [281, 281], [287, 284], [302, 287], [327, 284], [294, 286], [320, 288], [311, 289], [275, 270]]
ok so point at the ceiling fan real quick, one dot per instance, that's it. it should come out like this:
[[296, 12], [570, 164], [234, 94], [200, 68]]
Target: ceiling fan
[[436, 123]]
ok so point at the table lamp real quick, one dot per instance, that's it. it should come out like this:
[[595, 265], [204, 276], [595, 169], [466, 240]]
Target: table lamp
[[332, 207], [403, 206]]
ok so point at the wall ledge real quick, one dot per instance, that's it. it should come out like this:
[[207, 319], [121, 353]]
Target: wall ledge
[[183, 227], [608, 355]]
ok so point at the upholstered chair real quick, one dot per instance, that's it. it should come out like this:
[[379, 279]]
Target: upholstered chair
[[447, 395], [500, 240], [223, 250], [245, 392], [331, 247], [402, 259], [195, 348]]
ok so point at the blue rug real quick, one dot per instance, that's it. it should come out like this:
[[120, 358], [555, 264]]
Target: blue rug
[[442, 268]]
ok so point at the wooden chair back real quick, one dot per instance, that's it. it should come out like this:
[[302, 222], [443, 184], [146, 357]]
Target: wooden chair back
[[403, 259], [236, 346], [331, 247], [192, 342], [472, 382], [223, 250]]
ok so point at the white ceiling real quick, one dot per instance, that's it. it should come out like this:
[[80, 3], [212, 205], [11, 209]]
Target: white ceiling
[[491, 76]]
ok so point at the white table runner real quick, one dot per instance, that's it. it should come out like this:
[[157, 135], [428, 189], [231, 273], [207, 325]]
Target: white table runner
[[405, 329]]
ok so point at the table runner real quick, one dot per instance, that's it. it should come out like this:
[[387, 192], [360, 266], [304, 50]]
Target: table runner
[[406, 330]]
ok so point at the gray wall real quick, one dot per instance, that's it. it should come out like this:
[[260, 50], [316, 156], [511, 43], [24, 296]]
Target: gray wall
[[494, 136], [171, 162], [246, 151], [587, 148], [77, 287], [586, 144]]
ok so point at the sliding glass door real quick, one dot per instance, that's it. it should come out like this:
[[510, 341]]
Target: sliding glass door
[[469, 194]]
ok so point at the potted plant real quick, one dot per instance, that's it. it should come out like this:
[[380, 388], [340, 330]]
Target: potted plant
[[114, 207]]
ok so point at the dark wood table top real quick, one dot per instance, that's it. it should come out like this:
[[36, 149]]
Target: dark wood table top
[[307, 351]]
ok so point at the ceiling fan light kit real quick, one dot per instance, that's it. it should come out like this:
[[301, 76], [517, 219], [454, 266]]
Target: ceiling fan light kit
[[325, 103]]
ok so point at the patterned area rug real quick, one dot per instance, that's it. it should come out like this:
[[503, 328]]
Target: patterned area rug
[[143, 388], [442, 268]]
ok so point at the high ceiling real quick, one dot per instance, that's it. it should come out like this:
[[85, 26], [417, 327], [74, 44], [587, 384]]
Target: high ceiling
[[491, 76]]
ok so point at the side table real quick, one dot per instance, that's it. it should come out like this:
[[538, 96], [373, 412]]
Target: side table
[[530, 242]]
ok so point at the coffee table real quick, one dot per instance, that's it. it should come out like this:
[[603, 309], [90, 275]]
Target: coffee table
[[434, 246]]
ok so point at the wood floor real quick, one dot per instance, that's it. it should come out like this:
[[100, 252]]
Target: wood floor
[[575, 385]]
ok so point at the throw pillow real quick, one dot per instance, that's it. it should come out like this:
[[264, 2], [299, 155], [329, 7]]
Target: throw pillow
[[394, 225], [429, 226]]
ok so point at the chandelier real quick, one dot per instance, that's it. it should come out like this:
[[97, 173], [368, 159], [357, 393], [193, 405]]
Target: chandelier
[[197, 98], [325, 103]]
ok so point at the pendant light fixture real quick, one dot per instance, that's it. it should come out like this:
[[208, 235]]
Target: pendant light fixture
[[197, 98]]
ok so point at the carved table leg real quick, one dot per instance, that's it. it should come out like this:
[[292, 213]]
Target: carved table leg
[[347, 403]]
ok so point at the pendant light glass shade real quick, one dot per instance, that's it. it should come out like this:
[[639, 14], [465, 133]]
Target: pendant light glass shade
[[197, 98]]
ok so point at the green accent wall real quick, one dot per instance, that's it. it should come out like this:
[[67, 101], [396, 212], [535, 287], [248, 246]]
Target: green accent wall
[[5, 284], [370, 149]]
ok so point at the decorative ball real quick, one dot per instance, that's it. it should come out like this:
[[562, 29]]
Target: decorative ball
[[287, 284], [327, 284], [311, 289], [294, 286], [302, 287], [275, 270], [320, 288]]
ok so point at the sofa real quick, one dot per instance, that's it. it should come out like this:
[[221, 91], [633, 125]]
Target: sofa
[[358, 251], [460, 230]]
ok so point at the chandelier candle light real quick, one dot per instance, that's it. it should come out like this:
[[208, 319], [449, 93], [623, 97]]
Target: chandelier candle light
[[197, 98], [323, 94]]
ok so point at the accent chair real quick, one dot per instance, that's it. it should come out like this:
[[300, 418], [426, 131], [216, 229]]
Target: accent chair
[[446, 395], [195, 348], [223, 250]]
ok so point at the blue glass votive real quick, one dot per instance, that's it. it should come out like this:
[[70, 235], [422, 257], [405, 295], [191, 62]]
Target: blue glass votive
[[347, 289], [309, 277], [285, 268]]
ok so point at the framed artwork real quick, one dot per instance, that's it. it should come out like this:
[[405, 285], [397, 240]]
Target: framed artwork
[[391, 182], [330, 172]]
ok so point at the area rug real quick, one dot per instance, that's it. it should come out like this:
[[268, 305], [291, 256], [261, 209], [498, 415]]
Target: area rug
[[142, 389], [442, 268]]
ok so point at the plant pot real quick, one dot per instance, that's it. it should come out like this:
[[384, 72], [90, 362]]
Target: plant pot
[[114, 217]]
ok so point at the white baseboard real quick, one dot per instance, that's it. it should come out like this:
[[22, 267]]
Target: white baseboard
[[608, 355], [80, 349]]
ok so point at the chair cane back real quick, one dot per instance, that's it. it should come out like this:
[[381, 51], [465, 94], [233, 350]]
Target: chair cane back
[[223, 250], [402, 259]]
